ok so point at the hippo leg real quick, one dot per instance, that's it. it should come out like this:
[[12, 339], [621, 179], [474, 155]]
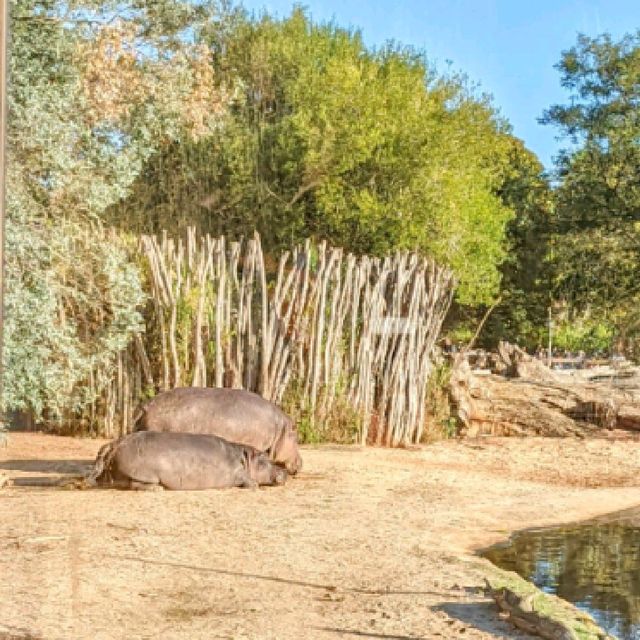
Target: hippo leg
[[145, 486]]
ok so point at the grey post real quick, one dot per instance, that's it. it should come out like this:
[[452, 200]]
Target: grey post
[[4, 53]]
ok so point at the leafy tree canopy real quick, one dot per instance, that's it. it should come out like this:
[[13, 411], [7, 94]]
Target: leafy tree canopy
[[596, 246], [520, 315], [158, 115], [370, 149], [87, 110]]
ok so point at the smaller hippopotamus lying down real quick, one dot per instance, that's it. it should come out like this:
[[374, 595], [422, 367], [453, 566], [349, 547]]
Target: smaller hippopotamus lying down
[[233, 414], [150, 460]]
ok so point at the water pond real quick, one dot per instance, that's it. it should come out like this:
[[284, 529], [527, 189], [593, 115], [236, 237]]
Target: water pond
[[595, 565]]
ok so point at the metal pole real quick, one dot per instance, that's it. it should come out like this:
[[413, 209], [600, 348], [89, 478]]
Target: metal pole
[[4, 66]]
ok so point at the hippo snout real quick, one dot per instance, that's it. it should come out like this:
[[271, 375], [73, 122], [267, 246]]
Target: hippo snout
[[280, 476], [294, 467]]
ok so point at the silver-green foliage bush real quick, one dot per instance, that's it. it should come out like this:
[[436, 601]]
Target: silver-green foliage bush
[[86, 113], [71, 306]]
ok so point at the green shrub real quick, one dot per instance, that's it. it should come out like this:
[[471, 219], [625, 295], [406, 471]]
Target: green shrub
[[439, 422], [339, 423], [71, 305]]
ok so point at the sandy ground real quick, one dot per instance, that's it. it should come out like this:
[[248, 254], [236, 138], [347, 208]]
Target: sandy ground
[[366, 543]]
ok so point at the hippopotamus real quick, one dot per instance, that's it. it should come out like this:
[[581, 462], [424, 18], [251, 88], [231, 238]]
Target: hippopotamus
[[148, 460], [233, 414]]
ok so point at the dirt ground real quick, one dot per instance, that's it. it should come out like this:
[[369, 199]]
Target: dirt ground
[[366, 543]]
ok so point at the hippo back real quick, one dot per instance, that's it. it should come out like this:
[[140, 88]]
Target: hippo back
[[233, 414]]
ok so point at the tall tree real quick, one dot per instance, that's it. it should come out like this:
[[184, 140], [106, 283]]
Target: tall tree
[[88, 108], [525, 292], [596, 247], [371, 150]]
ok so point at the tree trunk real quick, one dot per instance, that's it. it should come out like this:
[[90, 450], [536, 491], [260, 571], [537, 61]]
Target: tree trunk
[[538, 401]]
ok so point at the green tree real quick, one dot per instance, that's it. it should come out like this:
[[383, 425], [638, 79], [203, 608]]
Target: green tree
[[84, 118], [371, 150], [525, 292], [596, 246]]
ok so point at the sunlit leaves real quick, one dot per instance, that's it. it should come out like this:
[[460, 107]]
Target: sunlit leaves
[[373, 151], [596, 249], [97, 88]]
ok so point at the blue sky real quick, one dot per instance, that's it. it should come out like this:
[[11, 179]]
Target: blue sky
[[508, 46]]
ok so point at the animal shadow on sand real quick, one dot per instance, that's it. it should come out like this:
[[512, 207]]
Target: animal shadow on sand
[[56, 470], [47, 466]]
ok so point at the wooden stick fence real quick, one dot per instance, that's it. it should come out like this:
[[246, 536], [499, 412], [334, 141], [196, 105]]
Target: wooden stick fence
[[319, 330]]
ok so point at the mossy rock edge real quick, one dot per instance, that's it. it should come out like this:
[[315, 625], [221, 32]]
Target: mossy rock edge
[[534, 611]]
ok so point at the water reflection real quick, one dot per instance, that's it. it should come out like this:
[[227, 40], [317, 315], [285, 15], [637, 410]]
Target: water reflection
[[595, 565]]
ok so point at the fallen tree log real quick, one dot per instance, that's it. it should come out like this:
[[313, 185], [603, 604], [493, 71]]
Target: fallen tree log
[[517, 363], [530, 399]]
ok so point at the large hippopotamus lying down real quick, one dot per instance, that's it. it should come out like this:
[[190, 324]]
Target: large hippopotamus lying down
[[154, 461], [233, 414]]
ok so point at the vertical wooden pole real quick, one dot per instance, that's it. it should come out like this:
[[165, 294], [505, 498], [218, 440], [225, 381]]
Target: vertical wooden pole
[[4, 52], [550, 347]]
